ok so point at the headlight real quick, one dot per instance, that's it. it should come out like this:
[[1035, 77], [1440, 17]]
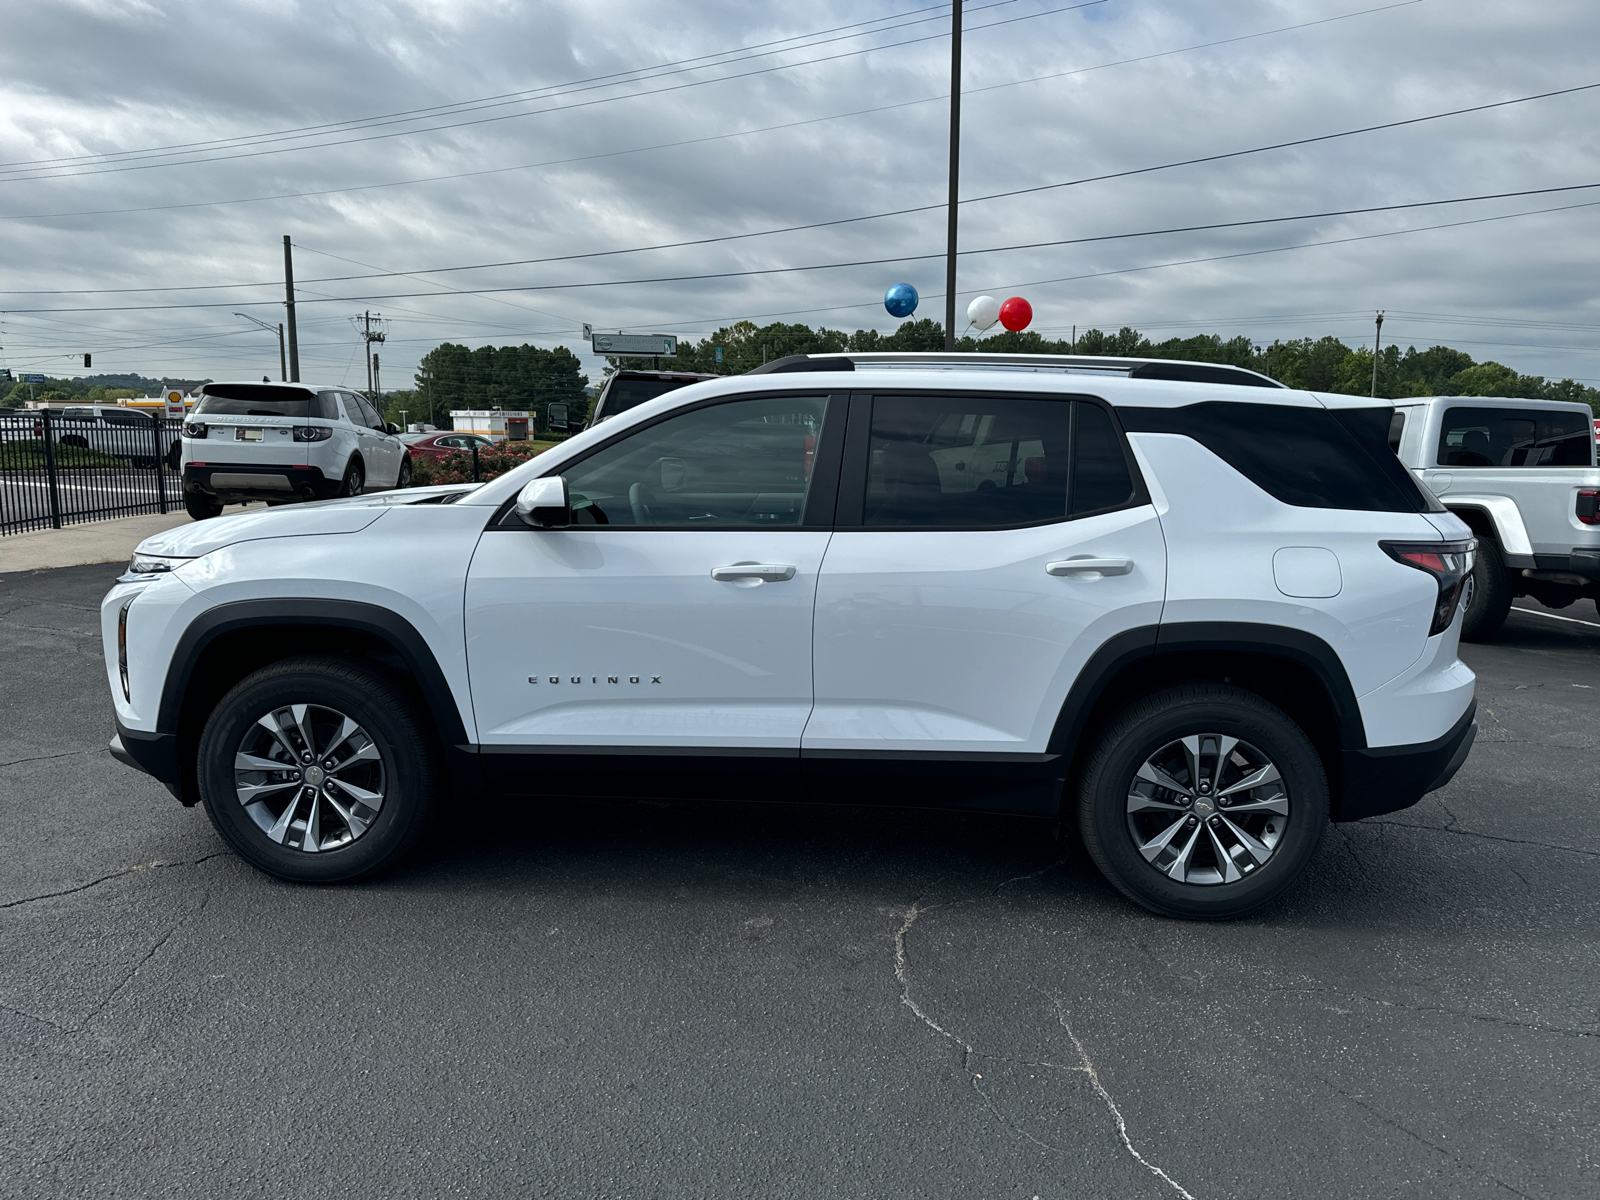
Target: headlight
[[154, 564]]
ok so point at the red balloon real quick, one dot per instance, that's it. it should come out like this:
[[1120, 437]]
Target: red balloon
[[1015, 314]]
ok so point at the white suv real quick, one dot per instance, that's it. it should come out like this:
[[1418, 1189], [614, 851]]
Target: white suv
[[1195, 618], [282, 442]]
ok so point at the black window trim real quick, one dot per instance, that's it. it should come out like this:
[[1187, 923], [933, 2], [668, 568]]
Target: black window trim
[[821, 495], [853, 481]]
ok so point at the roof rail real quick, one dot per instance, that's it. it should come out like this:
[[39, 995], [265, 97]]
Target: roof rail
[[1074, 364]]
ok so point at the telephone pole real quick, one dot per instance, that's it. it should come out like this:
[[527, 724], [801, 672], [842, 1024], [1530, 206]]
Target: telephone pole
[[288, 302], [370, 326], [1377, 337], [955, 176]]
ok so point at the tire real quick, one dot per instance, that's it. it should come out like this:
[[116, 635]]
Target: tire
[[355, 479], [200, 506], [1491, 594], [321, 829], [175, 457], [404, 479], [1181, 884]]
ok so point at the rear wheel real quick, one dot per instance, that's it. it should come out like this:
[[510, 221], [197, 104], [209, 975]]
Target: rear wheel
[[1491, 593], [201, 506], [319, 769], [355, 479], [1203, 801], [404, 481]]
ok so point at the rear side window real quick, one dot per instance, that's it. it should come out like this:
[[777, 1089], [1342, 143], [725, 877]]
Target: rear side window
[[624, 394], [1307, 457], [262, 400], [1515, 437], [976, 462]]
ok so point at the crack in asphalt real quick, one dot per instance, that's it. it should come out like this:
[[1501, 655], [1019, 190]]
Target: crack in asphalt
[[1417, 1137], [154, 865], [16, 762], [149, 954], [1086, 1066], [1492, 837], [1487, 1018], [54, 629]]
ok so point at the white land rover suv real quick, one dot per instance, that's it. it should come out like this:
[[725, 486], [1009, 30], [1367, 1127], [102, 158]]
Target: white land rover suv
[[1185, 610], [283, 442]]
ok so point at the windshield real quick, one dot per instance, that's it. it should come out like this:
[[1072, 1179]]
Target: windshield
[[262, 400], [630, 393]]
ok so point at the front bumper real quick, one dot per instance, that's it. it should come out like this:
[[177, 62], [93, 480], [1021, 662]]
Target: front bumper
[[155, 754], [1389, 778], [232, 482]]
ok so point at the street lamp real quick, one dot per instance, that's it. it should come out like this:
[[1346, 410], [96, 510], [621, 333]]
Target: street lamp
[[283, 364]]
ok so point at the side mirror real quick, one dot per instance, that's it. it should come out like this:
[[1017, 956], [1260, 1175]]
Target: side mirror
[[544, 503], [391, 428]]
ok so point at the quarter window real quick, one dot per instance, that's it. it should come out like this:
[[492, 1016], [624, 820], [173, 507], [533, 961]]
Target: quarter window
[[1515, 437], [969, 462], [746, 462]]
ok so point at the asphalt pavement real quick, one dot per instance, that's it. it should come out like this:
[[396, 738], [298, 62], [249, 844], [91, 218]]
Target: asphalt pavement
[[640, 1000]]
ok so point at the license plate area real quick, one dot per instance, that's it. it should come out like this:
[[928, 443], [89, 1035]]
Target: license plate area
[[242, 434]]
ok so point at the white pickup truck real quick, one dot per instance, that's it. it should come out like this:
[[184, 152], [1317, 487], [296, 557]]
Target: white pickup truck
[[1522, 474]]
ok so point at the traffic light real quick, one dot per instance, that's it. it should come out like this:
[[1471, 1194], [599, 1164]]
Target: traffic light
[[86, 359]]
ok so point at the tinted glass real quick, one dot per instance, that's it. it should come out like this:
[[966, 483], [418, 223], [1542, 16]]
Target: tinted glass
[[363, 412], [261, 400], [965, 462], [1397, 428], [630, 393], [1100, 475], [1308, 457], [746, 462], [1515, 437], [78, 414]]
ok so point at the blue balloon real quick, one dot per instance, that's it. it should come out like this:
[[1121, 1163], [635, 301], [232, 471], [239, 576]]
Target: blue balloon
[[900, 300]]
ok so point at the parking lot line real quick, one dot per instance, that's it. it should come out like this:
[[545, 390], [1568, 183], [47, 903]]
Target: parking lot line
[[1534, 612]]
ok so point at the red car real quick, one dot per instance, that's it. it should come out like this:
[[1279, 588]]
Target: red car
[[437, 445]]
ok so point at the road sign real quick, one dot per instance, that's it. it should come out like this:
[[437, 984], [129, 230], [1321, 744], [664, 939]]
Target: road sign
[[588, 333], [31, 378], [718, 352], [663, 345]]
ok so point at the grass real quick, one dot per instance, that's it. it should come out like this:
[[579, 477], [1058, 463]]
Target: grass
[[29, 456]]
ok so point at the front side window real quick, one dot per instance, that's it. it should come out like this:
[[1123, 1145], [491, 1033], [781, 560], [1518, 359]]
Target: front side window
[[745, 462], [1515, 437], [972, 462]]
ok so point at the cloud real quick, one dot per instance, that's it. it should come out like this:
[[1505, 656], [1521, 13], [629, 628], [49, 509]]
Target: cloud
[[239, 85]]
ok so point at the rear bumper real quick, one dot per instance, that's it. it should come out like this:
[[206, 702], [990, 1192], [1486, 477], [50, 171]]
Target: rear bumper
[[156, 754], [1390, 778], [249, 481]]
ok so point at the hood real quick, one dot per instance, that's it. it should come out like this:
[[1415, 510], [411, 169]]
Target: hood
[[290, 520]]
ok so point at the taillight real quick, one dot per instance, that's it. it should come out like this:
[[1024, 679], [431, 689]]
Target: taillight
[[312, 433], [1450, 564], [1589, 506], [194, 429]]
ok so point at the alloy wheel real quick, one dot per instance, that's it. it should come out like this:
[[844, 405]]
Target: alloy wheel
[[310, 777], [1207, 809]]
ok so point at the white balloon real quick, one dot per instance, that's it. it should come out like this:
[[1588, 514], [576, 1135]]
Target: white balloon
[[984, 311]]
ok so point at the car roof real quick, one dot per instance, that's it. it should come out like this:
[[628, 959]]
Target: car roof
[[1181, 370]]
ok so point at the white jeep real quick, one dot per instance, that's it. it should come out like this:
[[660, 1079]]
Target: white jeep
[[1194, 615], [1522, 474]]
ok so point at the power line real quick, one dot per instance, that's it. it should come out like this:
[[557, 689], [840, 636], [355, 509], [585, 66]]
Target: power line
[[193, 161], [875, 262], [966, 92]]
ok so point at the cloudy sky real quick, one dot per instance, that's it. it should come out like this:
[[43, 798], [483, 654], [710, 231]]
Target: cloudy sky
[[153, 150]]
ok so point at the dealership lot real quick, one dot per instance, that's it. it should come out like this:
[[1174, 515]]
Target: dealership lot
[[701, 1000]]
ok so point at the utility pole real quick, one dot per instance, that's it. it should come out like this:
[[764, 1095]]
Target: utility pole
[[1377, 337], [955, 176], [377, 385], [365, 327], [288, 292], [366, 335]]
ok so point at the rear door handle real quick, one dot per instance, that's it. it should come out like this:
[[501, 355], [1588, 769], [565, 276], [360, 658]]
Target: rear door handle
[[1083, 566], [760, 572]]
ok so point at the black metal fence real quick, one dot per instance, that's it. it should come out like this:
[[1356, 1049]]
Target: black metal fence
[[86, 465]]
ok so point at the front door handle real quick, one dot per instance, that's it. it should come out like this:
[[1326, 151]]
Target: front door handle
[[1084, 566], [758, 572]]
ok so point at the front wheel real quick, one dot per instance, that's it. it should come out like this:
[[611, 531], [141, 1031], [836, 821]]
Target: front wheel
[[404, 480], [1491, 594], [319, 769], [1202, 801]]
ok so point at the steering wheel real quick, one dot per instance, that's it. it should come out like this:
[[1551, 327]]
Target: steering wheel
[[640, 498]]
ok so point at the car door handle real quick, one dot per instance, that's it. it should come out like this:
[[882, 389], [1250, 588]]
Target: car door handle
[[1081, 566], [760, 572]]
